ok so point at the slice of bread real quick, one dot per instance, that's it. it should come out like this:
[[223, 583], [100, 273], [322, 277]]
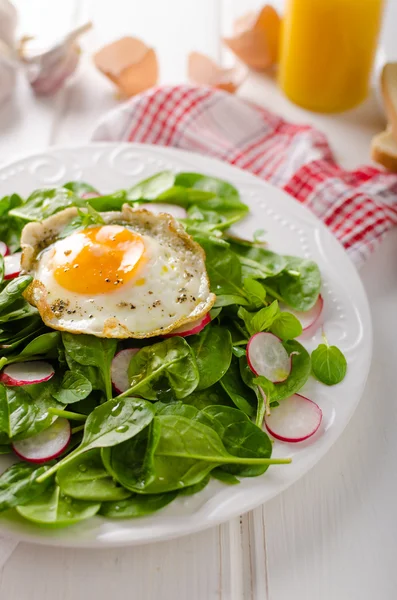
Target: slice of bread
[[384, 149], [389, 92]]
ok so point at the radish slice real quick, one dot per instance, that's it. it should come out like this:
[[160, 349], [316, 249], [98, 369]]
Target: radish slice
[[25, 373], [310, 317], [12, 265], [88, 195], [46, 445], [294, 420], [119, 369], [158, 207], [267, 356], [190, 328], [4, 249]]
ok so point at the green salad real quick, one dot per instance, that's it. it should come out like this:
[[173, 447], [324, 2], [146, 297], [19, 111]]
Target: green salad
[[121, 427]]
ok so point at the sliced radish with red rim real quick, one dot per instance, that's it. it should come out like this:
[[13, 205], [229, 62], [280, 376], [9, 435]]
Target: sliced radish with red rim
[[295, 419], [158, 207], [12, 265], [190, 328], [24, 373], [119, 369], [310, 317], [47, 444], [4, 249], [267, 356]]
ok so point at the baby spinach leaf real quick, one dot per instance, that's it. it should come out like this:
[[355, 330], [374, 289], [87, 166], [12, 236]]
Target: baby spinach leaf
[[82, 352], [131, 463], [240, 437], [5, 449], [56, 509], [136, 506], [184, 196], [172, 359], [74, 387], [85, 478], [80, 188], [1, 268], [262, 263], [242, 396], [212, 348], [194, 489], [44, 203], [220, 188], [10, 227], [286, 326], [13, 291], [300, 283], [255, 292], [150, 188], [109, 424], [209, 397], [223, 476], [224, 270], [18, 485], [329, 364], [25, 411], [261, 320], [43, 346], [230, 300]]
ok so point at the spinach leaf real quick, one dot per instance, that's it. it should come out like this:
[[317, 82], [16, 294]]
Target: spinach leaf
[[240, 437], [259, 262], [209, 397], [91, 357], [212, 348], [329, 364], [1, 268], [230, 300], [286, 326], [18, 485], [223, 476], [13, 291], [260, 320], [224, 270], [194, 489], [218, 187], [25, 411], [109, 424], [85, 478], [43, 346], [136, 506], [74, 387], [172, 359], [255, 292], [10, 227], [56, 509], [5, 449], [183, 196], [44, 203], [300, 283], [80, 188], [151, 188], [242, 396], [131, 463]]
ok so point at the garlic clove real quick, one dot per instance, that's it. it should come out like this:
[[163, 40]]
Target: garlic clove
[[130, 64], [48, 70], [8, 22], [8, 71], [203, 71], [256, 38]]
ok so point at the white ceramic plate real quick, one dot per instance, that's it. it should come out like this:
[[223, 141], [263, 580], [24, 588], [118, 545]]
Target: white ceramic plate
[[291, 229]]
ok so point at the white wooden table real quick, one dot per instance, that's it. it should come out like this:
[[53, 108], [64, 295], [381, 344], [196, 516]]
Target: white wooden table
[[331, 536]]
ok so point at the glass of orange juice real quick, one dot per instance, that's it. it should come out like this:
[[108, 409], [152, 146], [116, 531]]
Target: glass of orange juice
[[327, 51]]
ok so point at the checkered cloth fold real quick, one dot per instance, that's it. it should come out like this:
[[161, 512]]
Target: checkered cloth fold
[[359, 206]]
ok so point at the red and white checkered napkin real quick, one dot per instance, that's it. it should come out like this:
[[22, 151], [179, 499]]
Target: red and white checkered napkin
[[358, 206]]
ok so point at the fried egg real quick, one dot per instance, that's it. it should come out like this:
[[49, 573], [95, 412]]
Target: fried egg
[[136, 275]]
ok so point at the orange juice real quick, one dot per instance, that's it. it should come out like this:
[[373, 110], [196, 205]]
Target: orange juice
[[327, 50]]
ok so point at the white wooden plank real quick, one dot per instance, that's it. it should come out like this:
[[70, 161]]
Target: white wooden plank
[[183, 569]]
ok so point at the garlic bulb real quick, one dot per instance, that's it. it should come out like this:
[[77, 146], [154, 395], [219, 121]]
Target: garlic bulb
[[48, 70], [8, 22], [8, 57]]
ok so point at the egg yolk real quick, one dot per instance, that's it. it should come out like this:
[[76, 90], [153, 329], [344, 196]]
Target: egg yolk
[[99, 260]]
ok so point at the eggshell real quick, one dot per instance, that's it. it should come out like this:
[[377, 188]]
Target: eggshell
[[203, 71]]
